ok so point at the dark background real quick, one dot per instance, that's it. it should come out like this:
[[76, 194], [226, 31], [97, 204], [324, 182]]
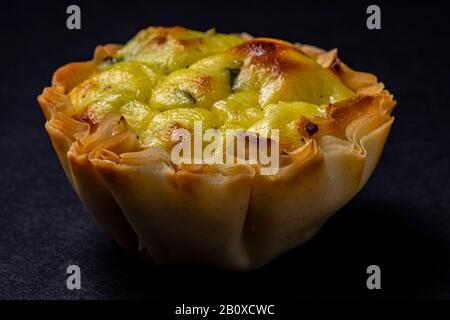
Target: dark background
[[399, 221]]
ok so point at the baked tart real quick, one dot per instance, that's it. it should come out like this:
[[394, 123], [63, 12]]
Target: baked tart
[[112, 121]]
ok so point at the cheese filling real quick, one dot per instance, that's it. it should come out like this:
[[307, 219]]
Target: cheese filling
[[168, 78]]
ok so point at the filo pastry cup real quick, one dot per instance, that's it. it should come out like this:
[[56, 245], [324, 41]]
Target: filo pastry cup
[[223, 216]]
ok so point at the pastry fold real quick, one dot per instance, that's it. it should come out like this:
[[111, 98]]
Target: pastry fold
[[224, 216]]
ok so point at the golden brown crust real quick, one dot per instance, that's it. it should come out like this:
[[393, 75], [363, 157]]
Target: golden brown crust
[[227, 216], [269, 54]]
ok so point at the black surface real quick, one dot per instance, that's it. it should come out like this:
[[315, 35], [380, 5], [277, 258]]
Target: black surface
[[399, 221]]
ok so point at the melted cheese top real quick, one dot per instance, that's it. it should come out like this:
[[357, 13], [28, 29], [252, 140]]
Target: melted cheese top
[[166, 78]]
